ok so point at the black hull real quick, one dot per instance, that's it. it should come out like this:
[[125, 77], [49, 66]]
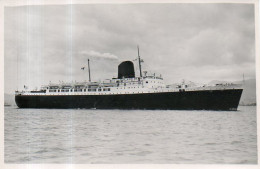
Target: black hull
[[188, 100]]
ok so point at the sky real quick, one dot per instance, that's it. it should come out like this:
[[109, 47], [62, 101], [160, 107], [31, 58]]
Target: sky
[[195, 42]]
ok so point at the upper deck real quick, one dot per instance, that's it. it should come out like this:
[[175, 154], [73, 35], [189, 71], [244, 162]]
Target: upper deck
[[137, 85]]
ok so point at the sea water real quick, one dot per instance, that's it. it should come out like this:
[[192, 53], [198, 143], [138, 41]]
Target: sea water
[[130, 136]]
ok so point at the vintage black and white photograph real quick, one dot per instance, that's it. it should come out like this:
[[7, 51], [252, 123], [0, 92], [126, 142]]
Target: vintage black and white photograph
[[130, 83]]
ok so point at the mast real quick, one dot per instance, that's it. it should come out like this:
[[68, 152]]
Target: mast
[[139, 59], [89, 79]]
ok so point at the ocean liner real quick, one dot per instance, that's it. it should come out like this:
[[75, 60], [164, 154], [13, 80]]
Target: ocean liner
[[128, 91]]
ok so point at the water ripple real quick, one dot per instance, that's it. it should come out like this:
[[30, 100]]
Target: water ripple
[[130, 136]]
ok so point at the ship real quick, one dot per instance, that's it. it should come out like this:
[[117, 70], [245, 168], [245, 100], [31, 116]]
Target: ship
[[128, 91]]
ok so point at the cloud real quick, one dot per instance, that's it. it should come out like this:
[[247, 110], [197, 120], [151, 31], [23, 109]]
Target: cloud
[[199, 42], [99, 55]]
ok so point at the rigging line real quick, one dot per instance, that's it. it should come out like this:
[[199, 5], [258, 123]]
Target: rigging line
[[17, 60], [17, 51]]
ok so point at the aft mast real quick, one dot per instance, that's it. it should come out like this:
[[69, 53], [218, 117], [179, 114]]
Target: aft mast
[[139, 59], [89, 79]]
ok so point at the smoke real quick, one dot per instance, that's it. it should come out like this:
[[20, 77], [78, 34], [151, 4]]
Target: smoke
[[99, 55]]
